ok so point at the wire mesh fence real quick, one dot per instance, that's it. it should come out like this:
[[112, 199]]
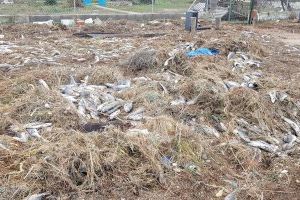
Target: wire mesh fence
[[227, 9], [12, 7]]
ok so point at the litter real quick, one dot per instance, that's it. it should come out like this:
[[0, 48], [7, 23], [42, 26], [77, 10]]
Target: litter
[[49, 23], [89, 21], [68, 22], [203, 52]]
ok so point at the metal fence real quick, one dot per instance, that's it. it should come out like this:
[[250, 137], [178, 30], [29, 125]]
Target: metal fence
[[229, 9]]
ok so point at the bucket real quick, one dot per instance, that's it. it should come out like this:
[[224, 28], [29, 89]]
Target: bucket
[[102, 3], [87, 2]]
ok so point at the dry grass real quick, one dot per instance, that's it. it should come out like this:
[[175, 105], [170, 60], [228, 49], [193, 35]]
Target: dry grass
[[118, 162]]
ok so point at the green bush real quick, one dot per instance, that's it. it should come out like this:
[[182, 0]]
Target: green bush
[[50, 2]]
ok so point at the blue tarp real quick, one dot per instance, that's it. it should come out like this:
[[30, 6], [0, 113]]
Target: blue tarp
[[203, 52]]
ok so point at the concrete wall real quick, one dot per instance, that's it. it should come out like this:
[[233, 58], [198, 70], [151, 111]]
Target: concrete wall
[[57, 18]]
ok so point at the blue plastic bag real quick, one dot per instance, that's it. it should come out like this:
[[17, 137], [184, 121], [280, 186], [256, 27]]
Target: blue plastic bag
[[203, 52]]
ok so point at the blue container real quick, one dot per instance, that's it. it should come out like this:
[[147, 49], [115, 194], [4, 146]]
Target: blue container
[[87, 2], [102, 3]]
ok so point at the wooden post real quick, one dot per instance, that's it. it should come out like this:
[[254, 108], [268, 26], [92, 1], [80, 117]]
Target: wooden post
[[193, 24], [218, 23]]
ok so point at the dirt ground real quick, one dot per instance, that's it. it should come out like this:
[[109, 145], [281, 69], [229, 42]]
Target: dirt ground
[[225, 126]]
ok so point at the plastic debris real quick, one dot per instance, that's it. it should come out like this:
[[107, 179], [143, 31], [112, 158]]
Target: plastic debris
[[203, 52], [167, 161], [89, 21], [68, 22]]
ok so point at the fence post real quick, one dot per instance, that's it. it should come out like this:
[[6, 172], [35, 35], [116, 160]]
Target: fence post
[[230, 10], [250, 11], [152, 6], [74, 4]]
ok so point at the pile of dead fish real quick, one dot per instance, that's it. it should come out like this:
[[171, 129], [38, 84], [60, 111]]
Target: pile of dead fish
[[247, 133], [24, 133], [241, 62], [95, 101]]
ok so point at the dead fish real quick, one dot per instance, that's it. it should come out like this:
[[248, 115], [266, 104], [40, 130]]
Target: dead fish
[[242, 134], [128, 107], [289, 138], [231, 84], [273, 96], [244, 56], [81, 107], [6, 67], [2, 146], [114, 109], [108, 106], [231, 55], [114, 114], [137, 115], [37, 196], [44, 84], [293, 125], [287, 146], [209, 130], [282, 96], [90, 105], [34, 133], [231, 196], [85, 80], [263, 146], [37, 125], [72, 81], [22, 137], [121, 85], [237, 64], [69, 98], [180, 101], [97, 59], [106, 97], [193, 101], [55, 53]]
